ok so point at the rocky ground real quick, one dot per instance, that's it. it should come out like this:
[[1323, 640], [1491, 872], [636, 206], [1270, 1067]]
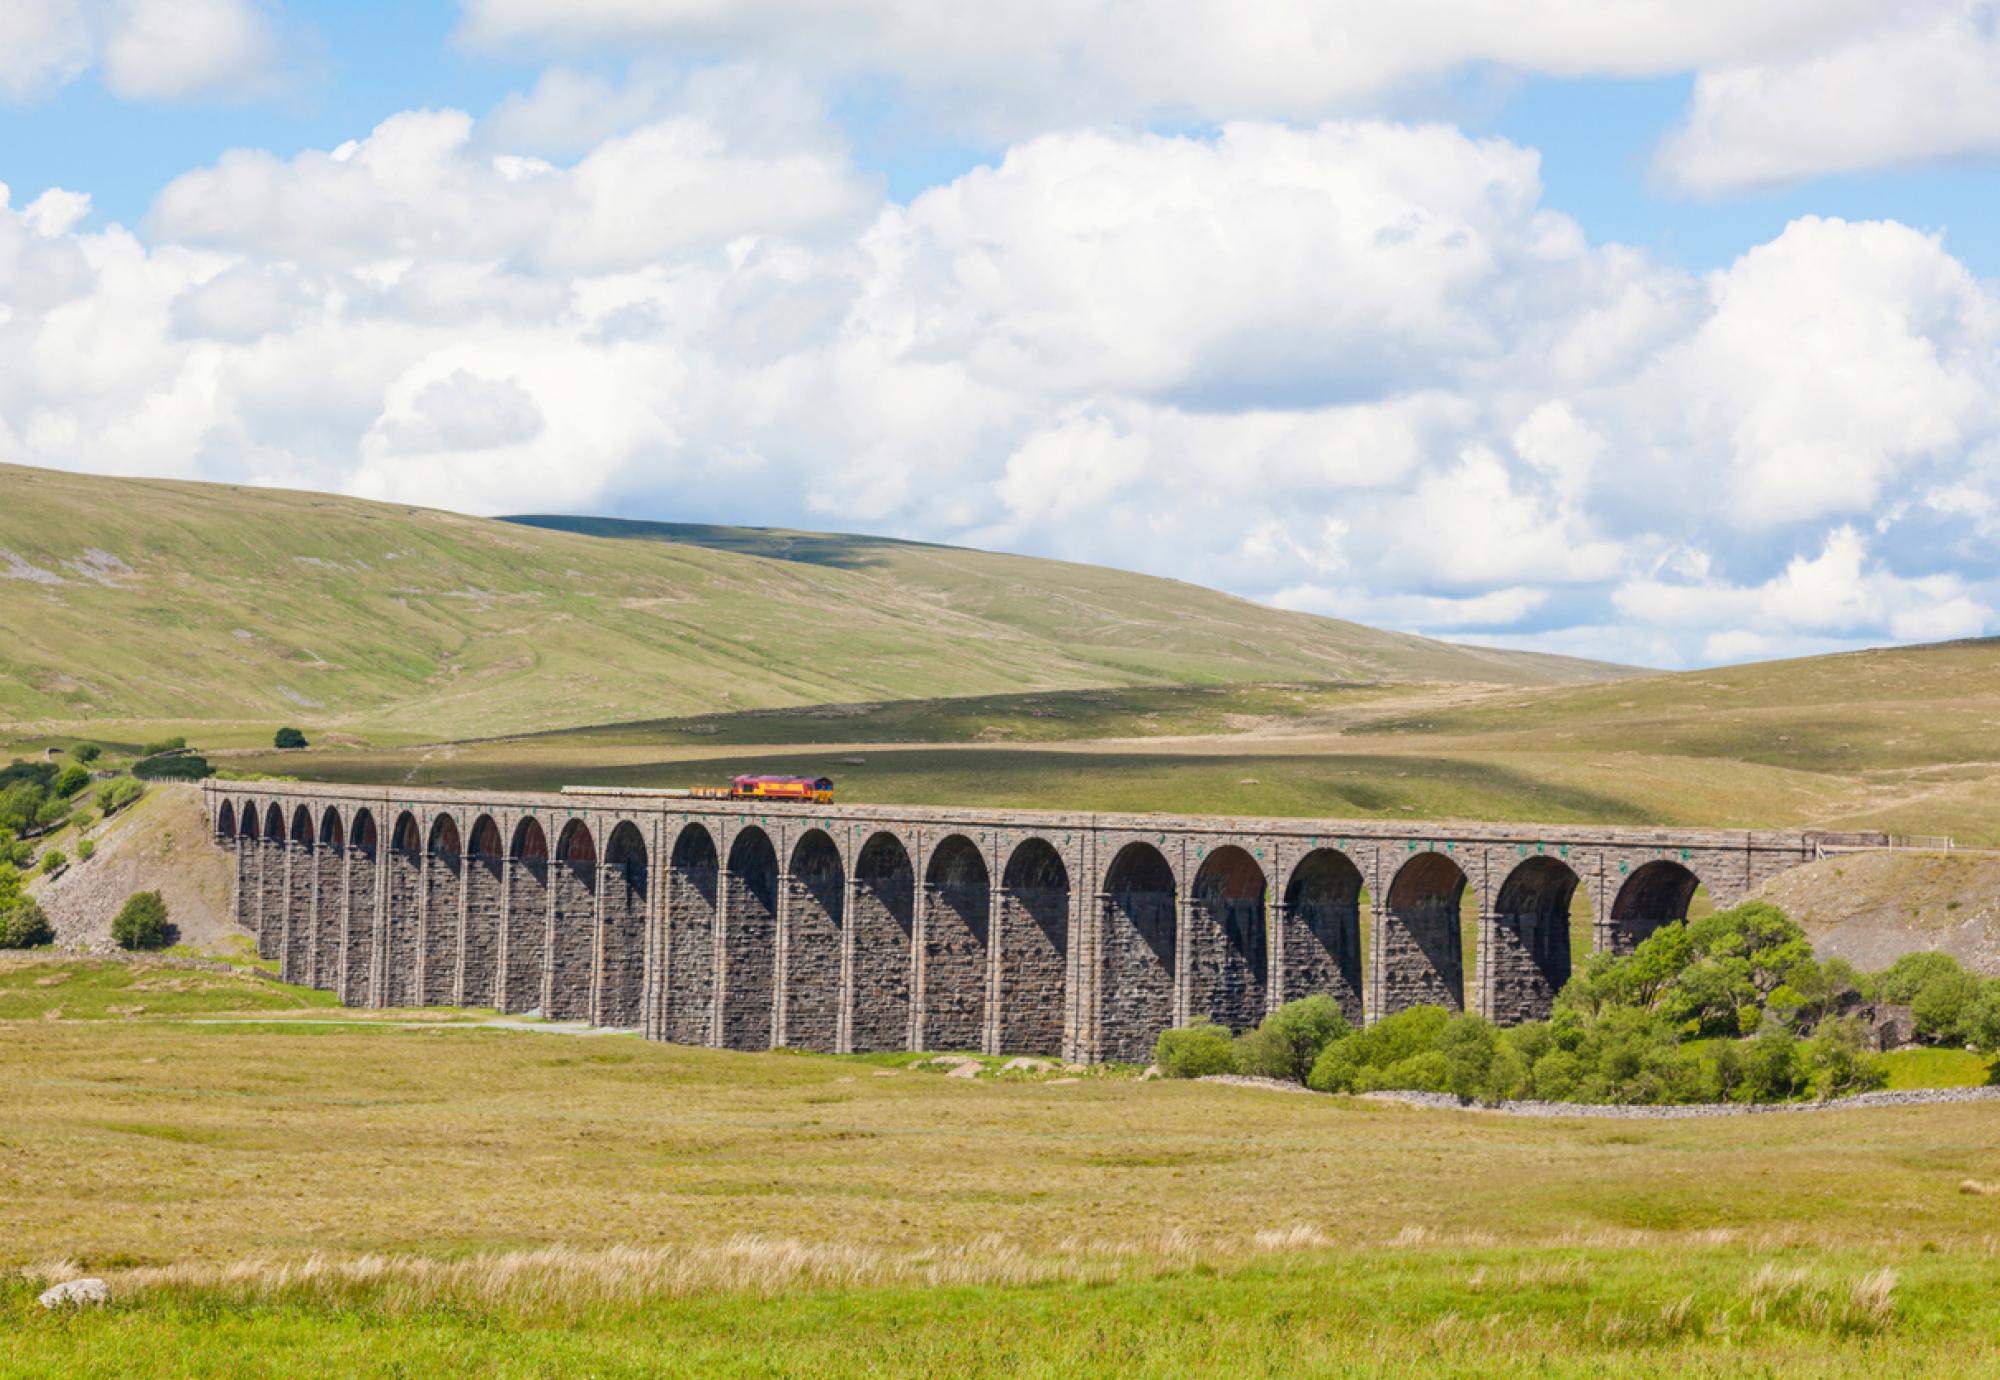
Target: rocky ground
[[160, 844], [1870, 908]]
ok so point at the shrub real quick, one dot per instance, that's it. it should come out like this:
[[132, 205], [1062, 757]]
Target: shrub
[[86, 753], [72, 779], [116, 795], [54, 861], [1379, 1047], [165, 745], [85, 848], [142, 923], [1910, 974], [172, 766], [1772, 1069], [288, 738], [1195, 1051], [1841, 1061], [1942, 1005], [1287, 1043], [23, 926]]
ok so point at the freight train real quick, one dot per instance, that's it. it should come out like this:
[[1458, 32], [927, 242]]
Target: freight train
[[817, 790]]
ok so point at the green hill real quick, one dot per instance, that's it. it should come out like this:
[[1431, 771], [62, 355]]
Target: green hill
[[166, 602]]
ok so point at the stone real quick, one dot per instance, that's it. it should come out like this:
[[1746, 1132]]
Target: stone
[[76, 1293], [1152, 1072], [1892, 1027], [1026, 1064], [969, 1070]]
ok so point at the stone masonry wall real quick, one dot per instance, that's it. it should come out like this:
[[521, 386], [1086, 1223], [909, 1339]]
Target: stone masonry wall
[[1175, 917]]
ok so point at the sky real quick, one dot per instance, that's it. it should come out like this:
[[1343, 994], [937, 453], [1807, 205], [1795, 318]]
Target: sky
[[1659, 331]]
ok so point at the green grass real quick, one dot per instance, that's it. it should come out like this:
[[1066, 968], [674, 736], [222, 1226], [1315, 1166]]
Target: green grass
[[486, 1202], [222, 613], [48, 988], [1939, 1068]]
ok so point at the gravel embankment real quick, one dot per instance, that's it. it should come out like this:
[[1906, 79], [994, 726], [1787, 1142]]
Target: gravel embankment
[[1445, 1101]]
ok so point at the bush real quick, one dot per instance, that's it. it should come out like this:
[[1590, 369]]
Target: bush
[[288, 738], [23, 926], [1841, 1061], [72, 779], [165, 745], [54, 861], [86, 753], [85, 848], [1910, 974], [116, 795], [1391, 1041], [172, 766], [142, 923], [1195, 1051], [1942, 1005], [1772, 1068], [1287, 1043]]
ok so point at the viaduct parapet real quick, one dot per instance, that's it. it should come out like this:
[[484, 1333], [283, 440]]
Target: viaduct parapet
[[756, 924]]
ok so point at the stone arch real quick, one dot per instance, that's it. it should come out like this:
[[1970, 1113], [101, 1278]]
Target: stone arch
[[1140, 933], [572, 939], [329, 924], [356, 980], [884, 921], [444, 887], [302, 832], [1228, 943], [621, 960], [958, 900], [1421, 949], [273, 898], [815, 910], [225, 820], [1322, 929], [403, 937], [296, 919], [1657, 893], [525, 942], [1034, 949], [479, 953], [246, 821], [688, 1001], [1524, 956], [749, 937]]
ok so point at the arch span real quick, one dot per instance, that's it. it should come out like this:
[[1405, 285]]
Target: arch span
[[1322, 931], [687, 1005], [329, 907], [958, 899], [225, 821], [273, 896], [485, 888], [1420, 958], [884, 920], [815, 886], [402, 936], [1657, 893], [1524, 953], [1228, 959], [749, 934], [249, 870], [295, 943], [621, 959], [1033, 935], [573, 936], [524, 945], [444, 902], [356, 968], [1136, 995]]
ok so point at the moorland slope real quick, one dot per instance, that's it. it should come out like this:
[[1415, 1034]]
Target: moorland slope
[[171, 602]]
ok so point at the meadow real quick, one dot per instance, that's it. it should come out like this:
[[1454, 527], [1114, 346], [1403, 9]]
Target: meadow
[[270, 1190]]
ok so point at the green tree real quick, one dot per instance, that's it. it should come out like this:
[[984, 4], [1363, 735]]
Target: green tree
[[1841, 1062], [54, 861], [86, 753], [1287, 1043], [1195, 1051], [142, 922], [72, 779], [22, 924], [1910, 974], [1941, 1006], [288, 738]]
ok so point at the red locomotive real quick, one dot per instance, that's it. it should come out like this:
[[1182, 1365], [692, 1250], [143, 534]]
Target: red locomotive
[[818, 789]]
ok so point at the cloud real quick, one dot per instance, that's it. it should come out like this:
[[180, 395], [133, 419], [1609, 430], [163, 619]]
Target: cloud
[[1358, 367], [1923, 85], [148, 50]]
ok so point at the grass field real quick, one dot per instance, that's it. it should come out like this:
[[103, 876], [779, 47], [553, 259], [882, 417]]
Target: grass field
[[300, 1190], [142, 608]]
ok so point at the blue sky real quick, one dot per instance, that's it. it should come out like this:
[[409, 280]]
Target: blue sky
[[1664, 332]]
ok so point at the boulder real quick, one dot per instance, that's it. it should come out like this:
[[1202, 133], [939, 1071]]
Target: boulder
[[1026, 1064], [77, 1293], [1892, 1027]]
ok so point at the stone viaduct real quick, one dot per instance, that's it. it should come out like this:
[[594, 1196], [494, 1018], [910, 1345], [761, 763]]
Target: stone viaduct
[[753, 924]]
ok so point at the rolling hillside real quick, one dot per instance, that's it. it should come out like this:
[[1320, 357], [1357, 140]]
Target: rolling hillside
[[163, 602]]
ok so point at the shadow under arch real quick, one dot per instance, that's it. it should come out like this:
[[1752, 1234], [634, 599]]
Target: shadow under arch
[[523, 960], [1228, 945], [958, 899], [1527, 957], [621, 964], [573, 883], [1139, 928], [1421, 948], [816, 887], [1322, 927], [686, 999], [1657, 893], [884, 921], [749, 940], [1033, 931]]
